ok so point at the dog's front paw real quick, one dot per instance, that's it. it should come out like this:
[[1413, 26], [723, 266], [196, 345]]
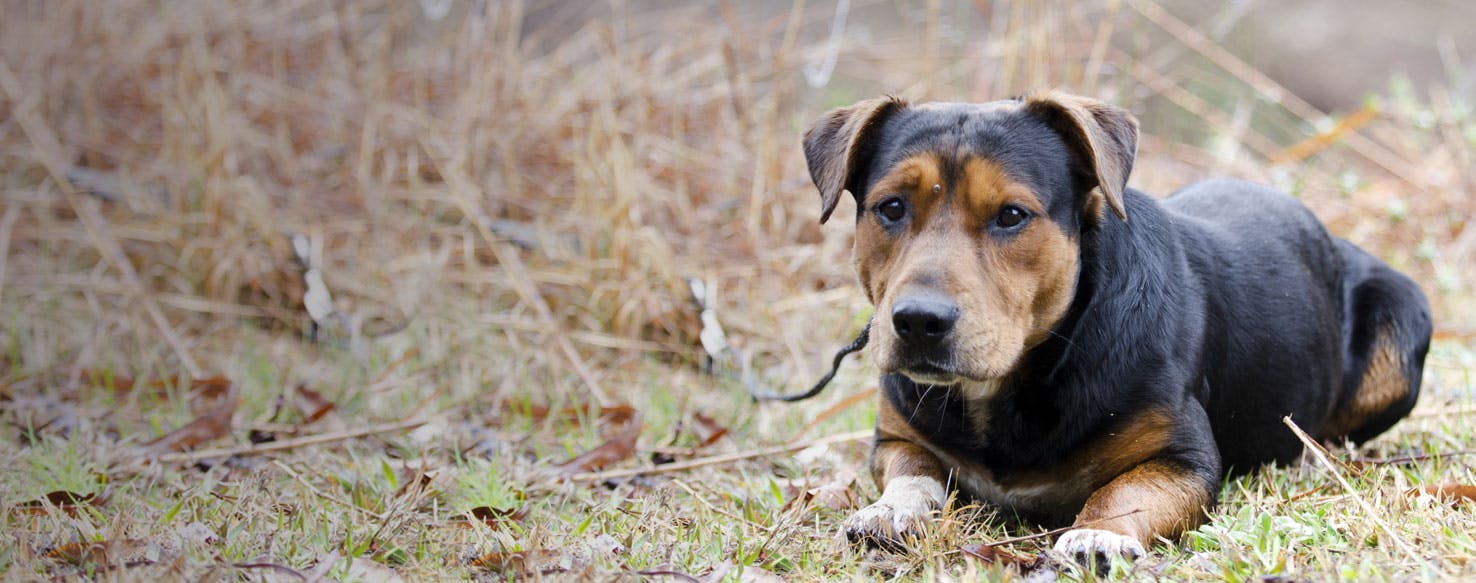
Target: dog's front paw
[[888, 525], [899, 517], [1093, 546]]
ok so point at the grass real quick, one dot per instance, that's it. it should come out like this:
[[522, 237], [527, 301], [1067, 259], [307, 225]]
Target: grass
[[505, 204]]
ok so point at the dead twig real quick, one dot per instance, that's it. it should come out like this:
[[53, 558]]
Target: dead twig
[[722, 459], [1332, 468]]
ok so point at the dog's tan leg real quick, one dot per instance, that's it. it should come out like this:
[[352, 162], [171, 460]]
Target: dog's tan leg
[[1155, 498], [913, 484]]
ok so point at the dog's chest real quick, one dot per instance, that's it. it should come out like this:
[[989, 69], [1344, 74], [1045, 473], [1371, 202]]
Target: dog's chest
[[1053, 495], [956, 423]]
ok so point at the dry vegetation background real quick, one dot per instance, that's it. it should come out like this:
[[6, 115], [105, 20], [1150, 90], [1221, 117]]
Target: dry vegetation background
[[505, 202]]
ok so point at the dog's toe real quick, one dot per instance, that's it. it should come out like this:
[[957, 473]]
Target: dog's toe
[[1093, 546], [888, 525]]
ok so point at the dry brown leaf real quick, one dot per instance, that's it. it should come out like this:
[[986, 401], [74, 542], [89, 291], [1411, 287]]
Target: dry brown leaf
[[621, 445], [492, 517], [706, 429], [106, 552], [206, 388], [567, 414], [838, 494], [312, 405], [67, 502], [991, 554], [208, 427], [533, 561], [371, 571], [212, 388], [1452, 492]]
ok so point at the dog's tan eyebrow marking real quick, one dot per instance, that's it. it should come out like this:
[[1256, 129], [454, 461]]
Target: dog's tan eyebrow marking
[[988, 187]]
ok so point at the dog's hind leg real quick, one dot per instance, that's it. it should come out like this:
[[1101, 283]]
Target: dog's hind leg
[[1386, 333]]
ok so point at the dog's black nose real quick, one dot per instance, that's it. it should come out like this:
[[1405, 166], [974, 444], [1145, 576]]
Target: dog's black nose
[[923, 320]]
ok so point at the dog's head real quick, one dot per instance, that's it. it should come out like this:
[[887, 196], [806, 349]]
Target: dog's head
[[968, 217]]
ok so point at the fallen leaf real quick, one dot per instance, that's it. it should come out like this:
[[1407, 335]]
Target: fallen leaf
[[370, 571], [67, 502], [212, 388], [837, 494], [706, 430], [1453, 493], [312, 405], [493, 517], [535, 561], [619, 446], [757, 574], [567, 414], [206, 388], [991, 554], [108, 552], [210, 426]]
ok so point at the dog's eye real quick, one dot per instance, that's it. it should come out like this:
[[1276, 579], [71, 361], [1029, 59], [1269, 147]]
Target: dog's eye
[[891, 210], [1011, 216]]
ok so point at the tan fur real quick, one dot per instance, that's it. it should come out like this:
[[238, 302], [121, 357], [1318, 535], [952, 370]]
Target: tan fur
[[1010, 292], [1383, 384], [1061, 489], [901, 450], [1153, 499]]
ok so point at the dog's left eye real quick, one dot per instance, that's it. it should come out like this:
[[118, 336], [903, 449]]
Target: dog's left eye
[[1010, 217]]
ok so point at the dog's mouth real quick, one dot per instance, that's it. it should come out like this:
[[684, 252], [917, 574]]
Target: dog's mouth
[[928, 372]]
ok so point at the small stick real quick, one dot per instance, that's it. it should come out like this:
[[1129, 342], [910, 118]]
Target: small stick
[[1322, 458], [1404, 459], [722, 459], [286, 444]]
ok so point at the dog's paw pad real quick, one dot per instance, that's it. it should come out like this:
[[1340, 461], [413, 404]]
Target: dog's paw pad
[[1088, 545], [888, 525]]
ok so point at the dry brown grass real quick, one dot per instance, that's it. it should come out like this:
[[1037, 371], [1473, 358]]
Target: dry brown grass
[[505, 202]]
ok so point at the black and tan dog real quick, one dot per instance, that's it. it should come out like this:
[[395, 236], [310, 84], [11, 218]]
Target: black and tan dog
[[1063, 347]]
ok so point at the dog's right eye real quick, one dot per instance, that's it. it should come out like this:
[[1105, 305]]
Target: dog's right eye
[[891, 210]]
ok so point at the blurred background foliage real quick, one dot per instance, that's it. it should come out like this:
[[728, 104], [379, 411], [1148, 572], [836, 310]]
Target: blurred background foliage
[[528, 186]]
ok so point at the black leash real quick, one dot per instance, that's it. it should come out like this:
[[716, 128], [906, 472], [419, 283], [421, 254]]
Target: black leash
[[855, 345]]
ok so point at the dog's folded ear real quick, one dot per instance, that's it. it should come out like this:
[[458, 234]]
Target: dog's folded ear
[[1105, 138], [838, 144]]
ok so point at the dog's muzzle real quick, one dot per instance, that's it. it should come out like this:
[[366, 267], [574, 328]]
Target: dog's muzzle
[[924, 322]]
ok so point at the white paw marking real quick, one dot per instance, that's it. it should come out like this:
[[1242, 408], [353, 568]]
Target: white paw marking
[[902, 512], [1088, 544]]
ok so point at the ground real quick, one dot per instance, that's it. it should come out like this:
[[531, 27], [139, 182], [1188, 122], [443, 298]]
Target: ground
[[299, 291]]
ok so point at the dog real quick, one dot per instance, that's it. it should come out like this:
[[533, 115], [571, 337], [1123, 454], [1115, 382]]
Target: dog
[[1073, 351]]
